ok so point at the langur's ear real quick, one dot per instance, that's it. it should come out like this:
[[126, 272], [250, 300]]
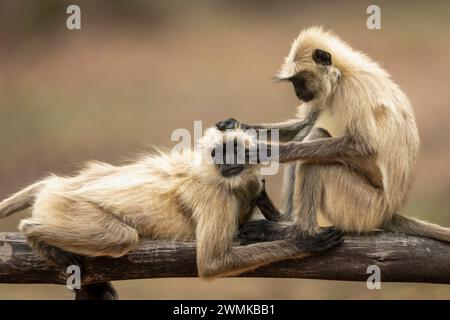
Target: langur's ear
[[322, 57]]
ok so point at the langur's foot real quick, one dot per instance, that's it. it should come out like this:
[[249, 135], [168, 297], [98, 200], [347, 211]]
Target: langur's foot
[[60, 257], [97, 291]]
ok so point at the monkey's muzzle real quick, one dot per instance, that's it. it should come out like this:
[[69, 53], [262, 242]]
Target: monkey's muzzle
[[230, 170], [301, 86], [231, 165]]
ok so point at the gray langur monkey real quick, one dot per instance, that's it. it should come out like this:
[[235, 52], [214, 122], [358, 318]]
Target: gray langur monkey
[[104, 210], [359, 176]]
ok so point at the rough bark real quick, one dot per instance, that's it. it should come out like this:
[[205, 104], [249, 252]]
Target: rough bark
[[401, 258]]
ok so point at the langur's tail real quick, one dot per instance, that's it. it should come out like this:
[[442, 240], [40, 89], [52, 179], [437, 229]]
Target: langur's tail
[[416, 227], [21, 200]]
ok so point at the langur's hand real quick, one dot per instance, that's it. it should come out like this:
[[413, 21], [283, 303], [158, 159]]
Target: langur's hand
[[231, 124]]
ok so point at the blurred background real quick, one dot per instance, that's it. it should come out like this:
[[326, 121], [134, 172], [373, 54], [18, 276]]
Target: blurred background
[[137, 70]]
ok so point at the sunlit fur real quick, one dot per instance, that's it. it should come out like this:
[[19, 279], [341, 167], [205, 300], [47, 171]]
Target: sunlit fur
[[103, 210], [359, 99]]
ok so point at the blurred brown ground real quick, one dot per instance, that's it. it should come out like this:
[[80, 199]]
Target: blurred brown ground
[[137, 70]]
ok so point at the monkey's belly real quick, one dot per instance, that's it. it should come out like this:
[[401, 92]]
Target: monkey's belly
[[168, 226]]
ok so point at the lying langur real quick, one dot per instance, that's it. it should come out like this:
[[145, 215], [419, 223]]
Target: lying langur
[[360, 175], [104, 210]]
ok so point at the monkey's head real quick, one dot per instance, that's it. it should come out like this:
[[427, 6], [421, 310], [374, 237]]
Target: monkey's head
[[312, 65], [225, 153]]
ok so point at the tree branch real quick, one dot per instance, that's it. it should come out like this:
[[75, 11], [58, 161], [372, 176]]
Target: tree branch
[[401, 259]]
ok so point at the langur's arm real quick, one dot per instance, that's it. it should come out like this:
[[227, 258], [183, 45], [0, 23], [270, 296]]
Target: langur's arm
[[321, 148], [343, 150], [216, 256], [332, 149], [287, 130], [266, 206]]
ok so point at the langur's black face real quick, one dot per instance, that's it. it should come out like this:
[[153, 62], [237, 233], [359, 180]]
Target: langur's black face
[[229, 158], [307, 83], [302, 83]]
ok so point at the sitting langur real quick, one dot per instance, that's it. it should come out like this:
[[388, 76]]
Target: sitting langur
[[104, 209], [359, 176]]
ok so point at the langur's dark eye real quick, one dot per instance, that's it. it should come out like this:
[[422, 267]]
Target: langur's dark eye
[[322, 57]]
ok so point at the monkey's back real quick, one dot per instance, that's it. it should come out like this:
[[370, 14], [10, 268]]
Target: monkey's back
[[397, 145], [157, 195], [379, 113]]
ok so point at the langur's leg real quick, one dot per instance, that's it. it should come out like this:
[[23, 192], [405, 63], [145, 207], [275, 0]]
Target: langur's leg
[[66, 245], [78, 227], [308, 197], [94, 239], [288, 190], [289, 179]]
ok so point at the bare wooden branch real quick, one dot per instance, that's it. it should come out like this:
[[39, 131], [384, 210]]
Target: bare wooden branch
[[401, 259]]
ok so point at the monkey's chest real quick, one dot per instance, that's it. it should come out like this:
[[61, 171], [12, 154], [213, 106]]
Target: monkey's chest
[[329, 121]]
